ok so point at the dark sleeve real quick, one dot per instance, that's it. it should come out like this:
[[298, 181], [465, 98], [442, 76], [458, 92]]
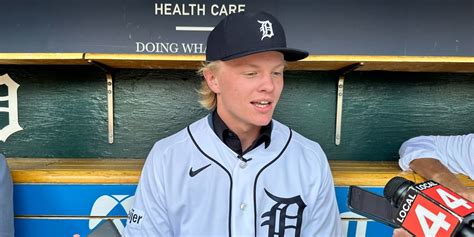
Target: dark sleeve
[[6, 200]]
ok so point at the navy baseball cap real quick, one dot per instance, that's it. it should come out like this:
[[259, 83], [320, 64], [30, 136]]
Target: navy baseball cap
[[242, 34]]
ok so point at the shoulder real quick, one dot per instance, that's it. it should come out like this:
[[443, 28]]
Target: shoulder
[[306, 158], [301, 142], [171, 141], [300, 145], [182, 136], [3, 163], [176, 142]]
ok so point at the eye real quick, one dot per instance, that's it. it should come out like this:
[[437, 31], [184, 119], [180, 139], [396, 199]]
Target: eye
[[250, 74], [277, 74]]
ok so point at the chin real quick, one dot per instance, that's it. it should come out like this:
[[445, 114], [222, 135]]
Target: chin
[[263, 121]]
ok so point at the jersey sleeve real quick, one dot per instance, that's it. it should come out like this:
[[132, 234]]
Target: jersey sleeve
[[454, 152], [148, 215], [6, 199], [418, 147], [326, 220]]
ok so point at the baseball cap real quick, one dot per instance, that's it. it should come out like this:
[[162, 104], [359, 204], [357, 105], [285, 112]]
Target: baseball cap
[[242, 34]]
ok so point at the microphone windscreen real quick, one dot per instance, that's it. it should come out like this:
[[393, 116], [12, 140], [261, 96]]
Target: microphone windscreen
[[395, 189]]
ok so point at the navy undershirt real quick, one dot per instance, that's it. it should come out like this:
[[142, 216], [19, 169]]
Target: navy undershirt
[[232, 140]]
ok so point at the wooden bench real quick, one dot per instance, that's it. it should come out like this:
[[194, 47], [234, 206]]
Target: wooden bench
[[127, 171], [78, 171]]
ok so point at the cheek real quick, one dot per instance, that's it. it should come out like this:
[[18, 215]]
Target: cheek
[[279, 86], [231, 93]]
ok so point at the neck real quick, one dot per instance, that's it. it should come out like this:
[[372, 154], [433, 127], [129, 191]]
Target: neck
[[246, 137], [247, 133]]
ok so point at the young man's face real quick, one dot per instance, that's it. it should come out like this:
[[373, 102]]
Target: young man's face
[[248, 89]]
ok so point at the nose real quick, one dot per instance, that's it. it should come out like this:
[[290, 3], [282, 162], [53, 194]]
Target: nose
[[267, 83]]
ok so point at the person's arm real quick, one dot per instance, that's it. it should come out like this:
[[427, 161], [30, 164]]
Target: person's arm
[[325, 218], [148, 215], [6, 199], [433, 169], [438, 158]]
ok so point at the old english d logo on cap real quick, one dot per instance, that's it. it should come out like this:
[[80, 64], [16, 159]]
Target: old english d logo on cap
[[266, 29], [246, 33]]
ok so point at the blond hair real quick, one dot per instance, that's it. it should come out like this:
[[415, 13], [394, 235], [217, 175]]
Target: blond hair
[[207, 97]]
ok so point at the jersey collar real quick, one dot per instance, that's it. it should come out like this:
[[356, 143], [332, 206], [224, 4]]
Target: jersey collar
[[229, 138]]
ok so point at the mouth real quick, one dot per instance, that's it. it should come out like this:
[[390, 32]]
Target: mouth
[[261, 103]]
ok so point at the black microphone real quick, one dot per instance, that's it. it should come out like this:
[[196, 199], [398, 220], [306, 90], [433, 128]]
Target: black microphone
[[430, 209], [396, 189]]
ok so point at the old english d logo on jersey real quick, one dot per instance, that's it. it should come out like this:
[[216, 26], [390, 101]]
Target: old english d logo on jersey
[[12, 107], [266, 29], [285, 214]]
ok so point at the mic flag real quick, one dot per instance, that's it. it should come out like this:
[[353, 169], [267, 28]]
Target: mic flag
[[429, 209], [448, 198], [421, 217]]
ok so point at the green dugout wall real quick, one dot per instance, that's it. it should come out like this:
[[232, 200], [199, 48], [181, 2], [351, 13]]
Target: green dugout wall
[[63, 110], [417, 76]]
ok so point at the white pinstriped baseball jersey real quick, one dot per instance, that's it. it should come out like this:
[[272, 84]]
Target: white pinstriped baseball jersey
[[192, 184]]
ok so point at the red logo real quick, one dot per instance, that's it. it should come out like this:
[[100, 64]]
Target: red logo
[[450, 200], [428, 219]]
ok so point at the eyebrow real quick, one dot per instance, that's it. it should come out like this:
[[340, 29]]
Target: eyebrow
[[256, 66]]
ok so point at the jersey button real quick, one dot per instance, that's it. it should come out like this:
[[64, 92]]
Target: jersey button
[[243, 206], [243, 164]]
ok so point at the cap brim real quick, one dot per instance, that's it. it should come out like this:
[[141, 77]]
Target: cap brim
[[289, 54]]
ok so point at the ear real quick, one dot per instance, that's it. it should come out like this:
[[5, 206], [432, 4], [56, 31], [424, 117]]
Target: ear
[[211, 78]]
